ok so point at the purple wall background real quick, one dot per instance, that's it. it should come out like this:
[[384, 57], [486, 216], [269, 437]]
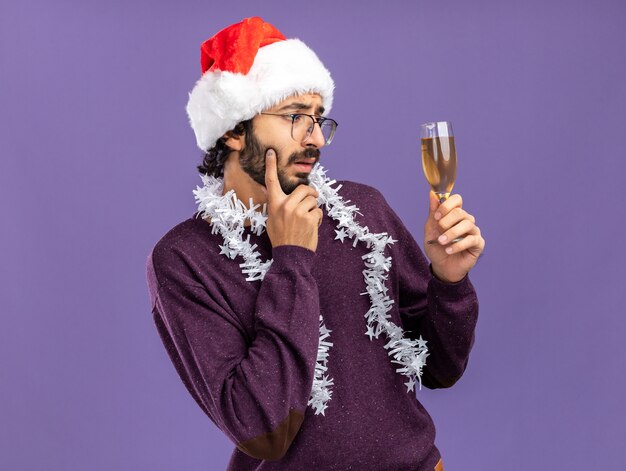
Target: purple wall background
[[98, 162]]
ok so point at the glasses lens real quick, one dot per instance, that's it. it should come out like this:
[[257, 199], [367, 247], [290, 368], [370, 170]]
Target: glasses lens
[[303, 126], [328, 130]]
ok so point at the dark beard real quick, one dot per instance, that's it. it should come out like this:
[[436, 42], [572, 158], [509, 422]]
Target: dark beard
[[252, 161]]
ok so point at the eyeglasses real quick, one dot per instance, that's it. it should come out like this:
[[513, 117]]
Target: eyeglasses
[[302, 126]]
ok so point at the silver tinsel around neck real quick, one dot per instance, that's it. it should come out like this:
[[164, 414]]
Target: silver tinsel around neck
[[228, 216]]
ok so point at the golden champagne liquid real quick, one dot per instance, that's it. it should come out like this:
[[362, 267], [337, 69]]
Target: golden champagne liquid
[[439, 164]]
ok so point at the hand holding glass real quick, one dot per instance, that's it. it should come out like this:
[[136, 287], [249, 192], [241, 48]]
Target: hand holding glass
[[439, 160]]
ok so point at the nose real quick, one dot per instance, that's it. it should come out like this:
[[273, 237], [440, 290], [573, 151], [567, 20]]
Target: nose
[[316, 139]]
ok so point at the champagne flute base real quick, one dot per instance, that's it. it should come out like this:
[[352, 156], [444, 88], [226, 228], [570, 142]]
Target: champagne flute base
[[435, 241]]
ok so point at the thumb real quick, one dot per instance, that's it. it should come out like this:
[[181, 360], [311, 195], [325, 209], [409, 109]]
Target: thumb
[[434, 203]]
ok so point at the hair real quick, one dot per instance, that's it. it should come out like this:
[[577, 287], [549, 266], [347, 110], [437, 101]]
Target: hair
[[214, 158]]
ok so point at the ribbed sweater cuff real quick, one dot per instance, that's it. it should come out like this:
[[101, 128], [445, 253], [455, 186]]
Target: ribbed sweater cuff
[[458, 289]]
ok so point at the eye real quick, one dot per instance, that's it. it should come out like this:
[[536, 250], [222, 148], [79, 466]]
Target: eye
[[297, 118]]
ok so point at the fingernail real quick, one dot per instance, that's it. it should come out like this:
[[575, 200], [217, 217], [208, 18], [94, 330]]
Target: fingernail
[[449, 250], [437, 215], [270, 153], [443, 239]]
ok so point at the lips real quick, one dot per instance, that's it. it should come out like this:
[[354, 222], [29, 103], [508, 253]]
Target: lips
[[306, 161], [304, 165]]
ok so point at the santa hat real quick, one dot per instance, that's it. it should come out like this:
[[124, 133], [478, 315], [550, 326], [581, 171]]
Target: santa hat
[[247, 68]]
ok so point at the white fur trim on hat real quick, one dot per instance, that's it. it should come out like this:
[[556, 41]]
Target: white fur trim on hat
[[220, 100]]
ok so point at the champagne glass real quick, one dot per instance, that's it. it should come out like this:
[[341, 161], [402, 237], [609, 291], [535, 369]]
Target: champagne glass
[[439, 159]]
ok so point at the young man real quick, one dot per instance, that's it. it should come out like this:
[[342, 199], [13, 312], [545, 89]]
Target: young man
[[301, 328]]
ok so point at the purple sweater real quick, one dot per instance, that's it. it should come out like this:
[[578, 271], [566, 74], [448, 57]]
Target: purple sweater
[[246, 351]]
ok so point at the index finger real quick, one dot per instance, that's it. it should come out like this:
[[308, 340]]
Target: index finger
[[274, 189], [448, 205]]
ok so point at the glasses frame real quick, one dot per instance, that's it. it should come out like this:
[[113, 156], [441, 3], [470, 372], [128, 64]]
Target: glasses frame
[[315, 119]]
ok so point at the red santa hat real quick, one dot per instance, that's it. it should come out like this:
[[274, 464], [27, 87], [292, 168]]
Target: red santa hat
[[247, 68]]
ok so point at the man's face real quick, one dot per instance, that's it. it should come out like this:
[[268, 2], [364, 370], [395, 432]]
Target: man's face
[[295, 159]]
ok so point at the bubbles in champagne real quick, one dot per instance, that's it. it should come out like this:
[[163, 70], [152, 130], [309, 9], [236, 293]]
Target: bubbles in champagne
[[439, 163]]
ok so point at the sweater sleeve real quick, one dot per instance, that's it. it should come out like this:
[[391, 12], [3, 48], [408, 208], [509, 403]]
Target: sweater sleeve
[[255, 390], [443, 314]]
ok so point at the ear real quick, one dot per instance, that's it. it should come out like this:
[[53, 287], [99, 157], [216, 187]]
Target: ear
[[234, 141]]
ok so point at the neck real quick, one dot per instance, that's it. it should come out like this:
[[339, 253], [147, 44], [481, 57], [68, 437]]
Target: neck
[[245, 187]]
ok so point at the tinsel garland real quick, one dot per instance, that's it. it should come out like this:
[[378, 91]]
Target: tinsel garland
[[228, 216]]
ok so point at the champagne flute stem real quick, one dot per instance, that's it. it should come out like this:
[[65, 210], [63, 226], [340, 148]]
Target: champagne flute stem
[[442, 198], [435, 241]]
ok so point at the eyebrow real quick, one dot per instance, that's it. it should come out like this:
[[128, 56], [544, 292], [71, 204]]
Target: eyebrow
[[301, 106]]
